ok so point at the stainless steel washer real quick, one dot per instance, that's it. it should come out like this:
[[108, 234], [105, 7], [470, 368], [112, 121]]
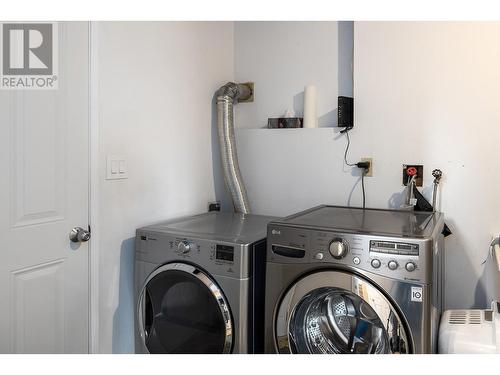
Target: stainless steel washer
[[348, 280], [199, 284]]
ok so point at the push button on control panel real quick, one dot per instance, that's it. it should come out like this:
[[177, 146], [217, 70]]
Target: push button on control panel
[[392, 265], [410, 266], [356, 260], [375, 263], [318, 256]]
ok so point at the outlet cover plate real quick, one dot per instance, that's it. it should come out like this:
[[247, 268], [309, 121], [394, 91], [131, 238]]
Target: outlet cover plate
[[369, 172]]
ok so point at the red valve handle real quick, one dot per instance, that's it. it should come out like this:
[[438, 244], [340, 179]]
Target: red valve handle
[[411, 171]]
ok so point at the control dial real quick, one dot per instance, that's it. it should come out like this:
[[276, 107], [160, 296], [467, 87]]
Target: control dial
[[184, 247], [338, 248]]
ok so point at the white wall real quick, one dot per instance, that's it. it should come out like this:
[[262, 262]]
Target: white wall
[[425, 93], [433, 89], [281, 58], [156, 81], [280, 165]]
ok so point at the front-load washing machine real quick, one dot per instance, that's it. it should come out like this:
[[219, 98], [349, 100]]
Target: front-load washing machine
[[351, 280], [200, 284]]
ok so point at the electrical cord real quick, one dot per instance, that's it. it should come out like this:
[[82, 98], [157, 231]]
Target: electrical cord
[[363, 172], [347, 149], [363, 165]]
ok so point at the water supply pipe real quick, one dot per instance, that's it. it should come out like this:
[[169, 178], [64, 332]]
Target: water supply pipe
[[437, 174]]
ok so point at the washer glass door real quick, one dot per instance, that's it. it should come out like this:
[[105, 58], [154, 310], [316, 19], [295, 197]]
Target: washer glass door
[[182, 310], [332, 312]]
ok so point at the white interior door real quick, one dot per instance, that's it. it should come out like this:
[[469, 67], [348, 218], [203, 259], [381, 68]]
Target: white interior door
[[44, 193]]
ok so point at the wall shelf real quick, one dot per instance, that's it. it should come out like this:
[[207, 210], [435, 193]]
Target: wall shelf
[[334, 129]]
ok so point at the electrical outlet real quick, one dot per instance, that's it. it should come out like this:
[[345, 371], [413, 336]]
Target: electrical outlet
[[369, 172]]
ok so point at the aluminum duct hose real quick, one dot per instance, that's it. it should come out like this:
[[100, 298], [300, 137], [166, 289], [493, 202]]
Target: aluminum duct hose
[[226, 97]]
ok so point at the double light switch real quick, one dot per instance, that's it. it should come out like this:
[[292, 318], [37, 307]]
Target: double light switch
[[116, 168]]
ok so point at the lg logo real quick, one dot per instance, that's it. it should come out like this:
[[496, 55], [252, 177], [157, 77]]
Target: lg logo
[[416, 294], [27, 48]]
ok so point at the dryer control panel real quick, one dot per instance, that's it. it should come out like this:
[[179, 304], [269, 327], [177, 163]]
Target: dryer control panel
[[408, 259], [216, 257]]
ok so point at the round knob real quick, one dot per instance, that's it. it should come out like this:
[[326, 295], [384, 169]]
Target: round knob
[[78, 234], [184, 247], [375, 263], [410, 266], [356, 260], [338, 248], [392, 265]]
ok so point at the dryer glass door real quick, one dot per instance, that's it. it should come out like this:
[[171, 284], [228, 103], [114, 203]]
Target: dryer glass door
[[337, 312], [182, 310]]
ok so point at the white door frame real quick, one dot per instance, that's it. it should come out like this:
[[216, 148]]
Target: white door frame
[[94, 189]]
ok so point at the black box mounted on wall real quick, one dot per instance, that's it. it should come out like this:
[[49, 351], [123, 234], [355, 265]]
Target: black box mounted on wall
[[345, 110]]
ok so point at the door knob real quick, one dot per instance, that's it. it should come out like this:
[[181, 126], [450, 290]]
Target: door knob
[[78, 234]]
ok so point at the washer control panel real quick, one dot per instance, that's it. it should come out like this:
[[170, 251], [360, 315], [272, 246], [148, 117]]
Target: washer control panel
[[408, 259]]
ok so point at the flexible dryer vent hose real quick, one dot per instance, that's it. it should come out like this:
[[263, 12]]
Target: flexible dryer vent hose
[[226, 97]]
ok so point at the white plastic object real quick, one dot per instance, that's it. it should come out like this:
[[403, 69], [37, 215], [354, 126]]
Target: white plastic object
[[496, 255], [310, 116], [470, 331]]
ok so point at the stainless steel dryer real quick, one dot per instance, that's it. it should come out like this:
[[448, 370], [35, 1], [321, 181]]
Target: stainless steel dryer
[[200, 284], [348, 280]]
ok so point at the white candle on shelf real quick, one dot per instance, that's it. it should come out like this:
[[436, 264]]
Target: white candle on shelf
[[310, 117]]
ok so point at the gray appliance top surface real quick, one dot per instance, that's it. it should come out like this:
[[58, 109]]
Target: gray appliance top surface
[[218, 226], [367, 221]]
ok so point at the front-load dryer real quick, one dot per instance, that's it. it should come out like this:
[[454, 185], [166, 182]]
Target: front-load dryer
[[200, 284], [350, 280]]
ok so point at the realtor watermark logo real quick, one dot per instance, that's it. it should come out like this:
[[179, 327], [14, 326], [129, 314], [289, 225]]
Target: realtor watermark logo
[[29, 56]]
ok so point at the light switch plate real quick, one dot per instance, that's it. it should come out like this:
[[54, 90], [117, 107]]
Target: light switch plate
[[116, 167]]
